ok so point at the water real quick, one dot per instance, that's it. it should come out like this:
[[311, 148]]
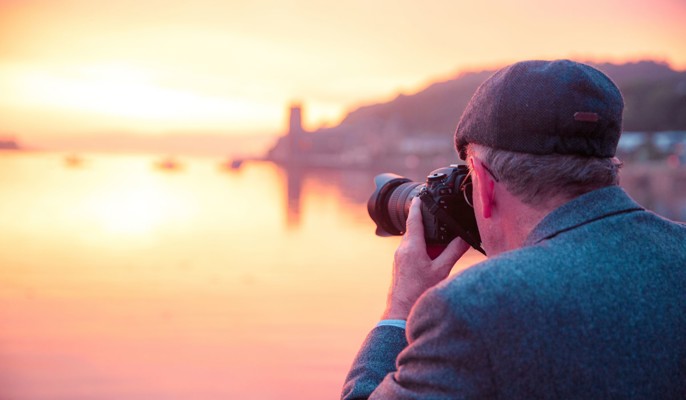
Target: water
[[119, 280]]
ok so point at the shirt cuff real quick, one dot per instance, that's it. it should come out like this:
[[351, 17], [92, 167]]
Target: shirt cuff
[[398, 323]]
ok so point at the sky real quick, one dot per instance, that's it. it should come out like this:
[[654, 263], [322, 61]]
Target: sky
[[147, 67]]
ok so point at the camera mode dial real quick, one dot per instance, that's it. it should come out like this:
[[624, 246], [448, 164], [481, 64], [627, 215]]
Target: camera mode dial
[[437, 177]]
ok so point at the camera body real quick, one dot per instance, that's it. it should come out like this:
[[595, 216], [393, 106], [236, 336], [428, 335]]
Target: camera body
[[446, 205]]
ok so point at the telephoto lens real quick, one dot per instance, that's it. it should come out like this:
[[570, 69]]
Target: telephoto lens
[[446, 205]]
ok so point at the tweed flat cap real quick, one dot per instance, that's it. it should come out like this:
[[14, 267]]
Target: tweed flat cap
[[544, 107]]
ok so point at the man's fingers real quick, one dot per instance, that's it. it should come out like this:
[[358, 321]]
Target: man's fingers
[[415, 227], [455, 249]]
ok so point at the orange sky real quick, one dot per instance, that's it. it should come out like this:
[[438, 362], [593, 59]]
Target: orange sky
[[144, 66]]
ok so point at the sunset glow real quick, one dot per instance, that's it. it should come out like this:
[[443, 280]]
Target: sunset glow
[[134, 209], [162, 238], [150, 67]]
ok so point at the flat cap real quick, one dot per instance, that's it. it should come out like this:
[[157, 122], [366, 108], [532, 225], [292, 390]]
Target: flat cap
[[544, 107]]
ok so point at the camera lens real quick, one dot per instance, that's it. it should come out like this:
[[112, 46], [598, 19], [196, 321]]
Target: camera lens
[[389, 205], [446, 205], [399, 204]]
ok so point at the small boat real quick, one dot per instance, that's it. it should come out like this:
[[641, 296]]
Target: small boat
[[234, 164], [73, 160], [168, 164]]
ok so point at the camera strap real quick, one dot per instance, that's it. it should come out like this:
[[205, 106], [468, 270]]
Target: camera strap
[[438, 212]]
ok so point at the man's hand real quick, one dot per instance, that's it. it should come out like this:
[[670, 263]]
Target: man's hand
[[413, 270]]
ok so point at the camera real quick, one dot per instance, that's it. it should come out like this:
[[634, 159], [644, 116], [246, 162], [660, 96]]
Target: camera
[[447, 210]]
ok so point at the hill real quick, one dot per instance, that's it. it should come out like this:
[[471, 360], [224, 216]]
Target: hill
[[654, 95], [421, 124]]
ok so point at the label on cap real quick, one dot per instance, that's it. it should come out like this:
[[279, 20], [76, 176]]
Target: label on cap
[[586, 116]]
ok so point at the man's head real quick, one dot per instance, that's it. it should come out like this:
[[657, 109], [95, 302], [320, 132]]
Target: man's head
[[544, 107], [544, 132]]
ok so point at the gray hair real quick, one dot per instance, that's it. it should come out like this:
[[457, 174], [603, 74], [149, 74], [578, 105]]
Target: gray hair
[[536, 179]]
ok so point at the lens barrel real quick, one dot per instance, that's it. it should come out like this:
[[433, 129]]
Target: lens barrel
[[389, 205], [399, 204]]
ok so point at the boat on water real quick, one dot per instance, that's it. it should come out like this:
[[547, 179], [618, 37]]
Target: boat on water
[[73, 160], [231, 164], [236, 164], [168, 164]]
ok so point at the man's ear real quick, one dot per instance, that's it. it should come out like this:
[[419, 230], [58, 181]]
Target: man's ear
[[486, 189]]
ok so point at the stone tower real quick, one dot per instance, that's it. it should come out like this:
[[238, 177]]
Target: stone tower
[[295, 130]]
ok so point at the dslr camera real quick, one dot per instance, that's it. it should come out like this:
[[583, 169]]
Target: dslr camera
[[447, 210]]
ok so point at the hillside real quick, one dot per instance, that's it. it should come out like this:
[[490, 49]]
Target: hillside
[[654, 95], [421, 125]]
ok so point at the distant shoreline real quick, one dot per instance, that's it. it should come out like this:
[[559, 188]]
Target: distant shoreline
[[9, 144]]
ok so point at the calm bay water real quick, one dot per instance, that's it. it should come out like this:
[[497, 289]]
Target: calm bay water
[[119, 280]]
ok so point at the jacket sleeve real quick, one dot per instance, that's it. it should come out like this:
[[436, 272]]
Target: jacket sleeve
[[445, 358], [374, 361]]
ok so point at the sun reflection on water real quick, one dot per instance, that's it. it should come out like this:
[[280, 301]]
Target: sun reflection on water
[[116, 274], [138, 207]]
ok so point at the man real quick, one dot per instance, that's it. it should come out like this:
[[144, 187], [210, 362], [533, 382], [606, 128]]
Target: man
[[583, 295]]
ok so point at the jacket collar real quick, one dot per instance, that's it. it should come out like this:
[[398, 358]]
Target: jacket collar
[[582, 210]]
